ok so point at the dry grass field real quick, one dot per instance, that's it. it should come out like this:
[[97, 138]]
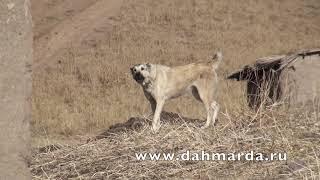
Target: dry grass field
[[82, 85]]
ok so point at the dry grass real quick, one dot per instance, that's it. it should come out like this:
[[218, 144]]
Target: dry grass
[[91, 88], [270, 132], [86, 90]]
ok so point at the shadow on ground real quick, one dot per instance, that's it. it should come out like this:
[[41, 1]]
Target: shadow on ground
[[137, 123]]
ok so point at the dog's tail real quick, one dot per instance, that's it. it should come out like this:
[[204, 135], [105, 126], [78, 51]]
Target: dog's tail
[[217, 58]]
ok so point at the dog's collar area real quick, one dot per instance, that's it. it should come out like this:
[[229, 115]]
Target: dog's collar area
[[147, 84]]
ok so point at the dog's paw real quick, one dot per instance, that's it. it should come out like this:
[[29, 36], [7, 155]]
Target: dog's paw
[[205, 126], [155, 128]]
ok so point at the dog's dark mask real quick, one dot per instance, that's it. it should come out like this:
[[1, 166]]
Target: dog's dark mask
[[139, 72], [138, 77]]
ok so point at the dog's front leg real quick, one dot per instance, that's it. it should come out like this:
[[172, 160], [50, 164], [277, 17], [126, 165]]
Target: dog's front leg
[[156, 117], [152, 101]]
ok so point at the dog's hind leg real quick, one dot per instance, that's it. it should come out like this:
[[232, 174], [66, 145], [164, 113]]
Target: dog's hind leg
[[156, 117], [216, 107], [202, 96], [209, 115]]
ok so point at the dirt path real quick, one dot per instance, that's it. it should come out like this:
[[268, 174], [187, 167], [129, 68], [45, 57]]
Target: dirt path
[[72, 31], [49, 13]]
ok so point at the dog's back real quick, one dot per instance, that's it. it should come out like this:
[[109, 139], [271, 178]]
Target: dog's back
[[198, 70]]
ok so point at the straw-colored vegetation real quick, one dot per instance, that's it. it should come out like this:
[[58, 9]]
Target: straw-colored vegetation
[[86, 90], [269, 132]]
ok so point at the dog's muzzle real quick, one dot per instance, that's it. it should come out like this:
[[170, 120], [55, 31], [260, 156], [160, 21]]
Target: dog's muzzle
[[137, 76]]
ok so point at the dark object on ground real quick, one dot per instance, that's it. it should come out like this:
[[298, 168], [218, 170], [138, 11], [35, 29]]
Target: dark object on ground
[[49, 148], [291, 79]]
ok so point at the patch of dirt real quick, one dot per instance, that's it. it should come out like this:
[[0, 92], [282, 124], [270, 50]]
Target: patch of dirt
[[47, 14], [82, 22]]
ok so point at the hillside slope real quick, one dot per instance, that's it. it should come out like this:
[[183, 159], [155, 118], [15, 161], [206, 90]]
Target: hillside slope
[[82, 86], [78, 22], [82, 82]]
